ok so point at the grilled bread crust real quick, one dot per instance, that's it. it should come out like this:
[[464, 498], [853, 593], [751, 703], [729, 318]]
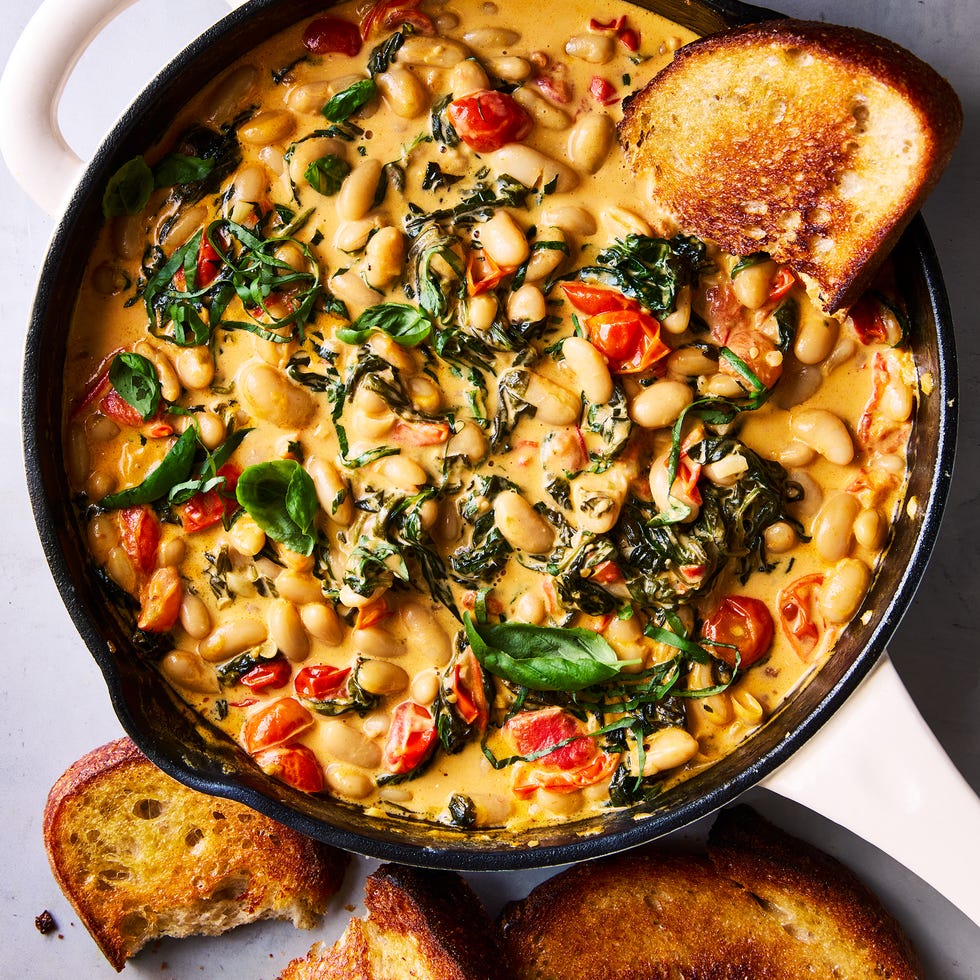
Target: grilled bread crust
[[140, 856], [812, 142], [421, 925], [761, 904]]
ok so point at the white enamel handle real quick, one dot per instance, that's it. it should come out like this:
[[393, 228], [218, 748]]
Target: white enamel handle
[[41, 63], [877, 769]]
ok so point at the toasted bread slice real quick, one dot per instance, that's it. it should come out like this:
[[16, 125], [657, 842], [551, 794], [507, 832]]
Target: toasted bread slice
[[660, 916], [421, 924], [814, 143], [140, 856]]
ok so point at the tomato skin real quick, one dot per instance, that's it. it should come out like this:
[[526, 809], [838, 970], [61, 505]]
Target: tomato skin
[[419, 433], [486, 120], [140, 532], [275, 724], [411, 737], [206, 509], [528, 777], [209, 263], [482, 273], [590, 298], [372, 613], [743, 622], [797, 614], [296, 765], [392, 13], [602, 90], [629, 339], [782, 283], [160, 600], [320, 682], [533, 731], [267, 675], [466, 683], [331, 35]]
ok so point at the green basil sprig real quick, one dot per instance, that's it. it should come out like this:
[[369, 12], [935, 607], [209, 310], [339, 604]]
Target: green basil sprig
[[326, 174], [407, 324], [135, 380], [129, 188], [280, 497], [543, 658], [344, 104]]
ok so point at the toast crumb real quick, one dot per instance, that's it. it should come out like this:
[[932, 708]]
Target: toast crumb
[[814, 143], [141, 856]]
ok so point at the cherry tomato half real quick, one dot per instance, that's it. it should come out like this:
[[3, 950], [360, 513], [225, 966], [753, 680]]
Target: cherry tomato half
[[389, 14], [533, 731], [529, 777], [274, 724], [332, 35], [798, 615], [160, 600], [743, 622], [296, 765], [466, 683], [419, 433], [590, 298], [486, 120], [321, 682], [602, 90], [210, 507], [140, 532], [411, 737], [268, 675], [629, 339]]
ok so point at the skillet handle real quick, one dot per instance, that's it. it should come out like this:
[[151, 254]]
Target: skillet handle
[[877, 769], [41, 63]]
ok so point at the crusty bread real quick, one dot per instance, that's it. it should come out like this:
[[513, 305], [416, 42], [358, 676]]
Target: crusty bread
[[814, 143], [761, 904], [140, 856], [421, 925]]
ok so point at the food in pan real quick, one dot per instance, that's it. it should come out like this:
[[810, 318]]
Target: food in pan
[[139, 856], [441, 469]]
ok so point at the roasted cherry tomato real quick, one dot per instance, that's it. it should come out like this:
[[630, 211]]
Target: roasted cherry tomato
[[372, 613], [275, 724], [119, 410], [482, 273], [388, 14], [268, 675], [782, 283], [743, 622], [533, 731], [296, 765], [160, 600], [873, 322], [798, 614], [530, 777], [321, 682], [140, 532], [486, 120], [411, 737], [589, 298], [209, 263], [629, 339], [210, 508], [470, 699], [332, 35], [419, 433], [602, 90]]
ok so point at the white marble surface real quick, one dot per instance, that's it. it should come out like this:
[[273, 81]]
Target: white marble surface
[[55, 705]]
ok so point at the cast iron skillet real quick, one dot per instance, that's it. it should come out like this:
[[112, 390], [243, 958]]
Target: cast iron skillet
[[185, 746]]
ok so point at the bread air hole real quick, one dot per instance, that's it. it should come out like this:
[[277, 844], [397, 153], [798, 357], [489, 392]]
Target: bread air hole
[[861, 114], [193, 838], [133, 928], [147, 809], [230, 889]]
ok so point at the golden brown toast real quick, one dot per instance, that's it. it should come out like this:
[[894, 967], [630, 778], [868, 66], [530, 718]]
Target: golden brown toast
[[140, 856], [814, 143], [421, 925], [761, 904]]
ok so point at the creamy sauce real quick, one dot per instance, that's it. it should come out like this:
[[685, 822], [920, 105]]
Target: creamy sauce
[[499, 464]]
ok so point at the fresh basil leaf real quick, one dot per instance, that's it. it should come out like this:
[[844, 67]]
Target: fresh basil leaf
[[128, 189], [747, 261], [407, 324], [178, 168], [326, 174], [280, 497], [344, 104], [174, 468], [543, 658], [135, 379]]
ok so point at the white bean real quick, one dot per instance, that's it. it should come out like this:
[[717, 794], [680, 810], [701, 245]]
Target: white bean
[[590, 369], [521, 525], [527, 305], [824, 432], [348, 781], [815, 335], [268, 127], [405, 95], [375, 641], [660, 404], [751, 286], [667, 749], [347, 744], [322, 622], [194, 616], [298, 587], [622, 222], [332, 490], [431, 51], [677, 321], [354, 292], [384, 257], [246, 537], [189, 671], [532, 167], [833, 527], [590, 140], [186, 223], [305, 152], [503, 240], [673, 497], [843, 590], [510, 68], [545, 114], [897, 400], [352, 236], [402, 472], [195, 366], [356, 195], [287, 630], [427, 634], [491, 37], [571, 218], [270, 395], [120, 569], [597, 499], [468, 77], [382, 677], [555, 405], [425, 686], [310, 96], [167, 376], [780, 537], [690, 362], [596, 49], [545, 257], [870, 529], [230, 93], [232, 638], [468, 442]]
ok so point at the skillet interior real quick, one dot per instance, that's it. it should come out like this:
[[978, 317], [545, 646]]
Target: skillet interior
[[178, 741]]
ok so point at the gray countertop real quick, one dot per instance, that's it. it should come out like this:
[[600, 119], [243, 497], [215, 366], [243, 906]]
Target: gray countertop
[[55, 703]]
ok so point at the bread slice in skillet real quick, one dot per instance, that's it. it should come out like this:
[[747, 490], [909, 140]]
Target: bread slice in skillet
[[141, 856], [812, 142], [421, 925], [760, 904]]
